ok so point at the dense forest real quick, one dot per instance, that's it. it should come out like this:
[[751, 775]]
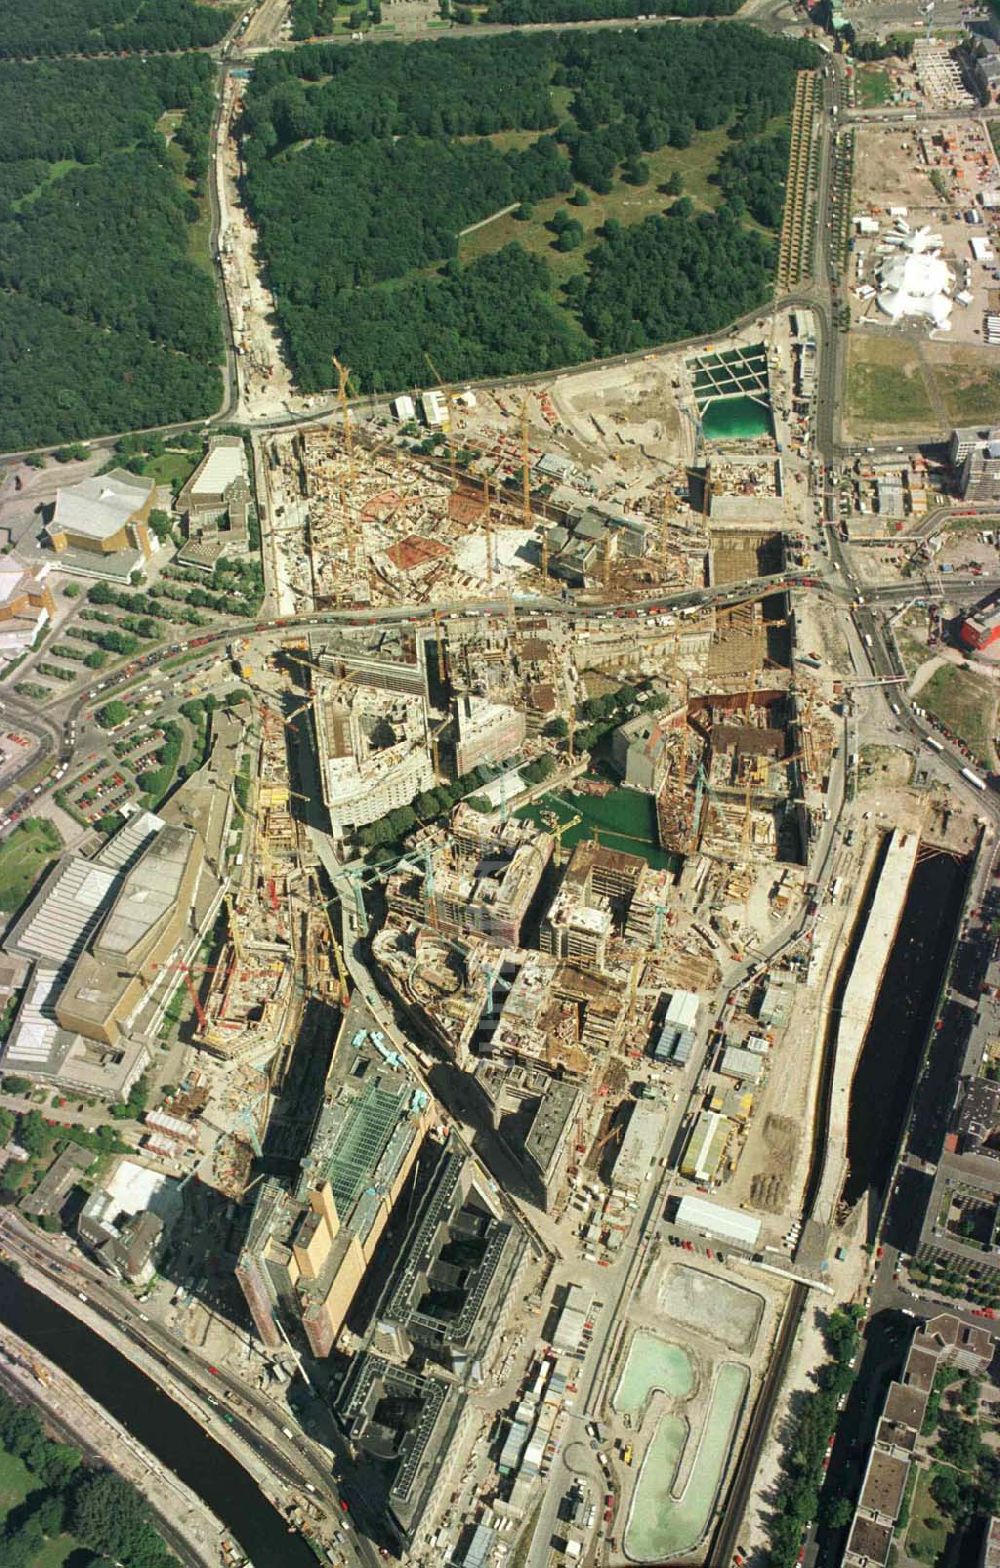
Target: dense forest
[[313, 18], [54, 27], [752, 174], [521, 11], [672, 278], [105, 321], [363, 167]]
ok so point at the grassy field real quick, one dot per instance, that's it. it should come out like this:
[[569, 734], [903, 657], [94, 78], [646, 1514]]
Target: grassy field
[[968, 382], [23, 856], [874, 88], [16, 1482], [885, 387], [173, 467], [55, 1552], [966, 703], [928, 1530], [626, 203], [911, 639], [55, 171]]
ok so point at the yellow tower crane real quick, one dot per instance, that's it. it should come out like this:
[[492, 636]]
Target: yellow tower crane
[[526, 475], [668, 507], [302, 708], [488, 525], [234, 930], [442, 657], [343, 378], [558, 828], [747, 831], [338, 958], [435, 754], [307, 664]]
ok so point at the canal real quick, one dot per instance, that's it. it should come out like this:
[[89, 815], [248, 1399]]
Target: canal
[[894, 1045], [177, 1441]]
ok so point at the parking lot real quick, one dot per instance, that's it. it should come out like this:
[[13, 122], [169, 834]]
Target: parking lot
[[102, 789]]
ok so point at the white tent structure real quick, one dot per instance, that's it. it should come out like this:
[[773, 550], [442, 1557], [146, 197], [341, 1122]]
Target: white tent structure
[[914, 281]]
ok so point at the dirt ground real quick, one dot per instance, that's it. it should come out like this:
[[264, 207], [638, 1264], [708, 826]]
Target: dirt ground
[[886, 174], [893, 168], [769, 1187], [882, 767]]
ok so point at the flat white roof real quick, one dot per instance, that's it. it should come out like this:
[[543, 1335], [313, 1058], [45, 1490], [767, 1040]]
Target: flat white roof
[[682, 1009], [99, 507], [729, 1224], [222, 466], [132, 1187]]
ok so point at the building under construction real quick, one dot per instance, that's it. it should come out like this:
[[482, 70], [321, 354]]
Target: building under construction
[[479, 876], [247, 1011], [386, 526], [308, 1248]]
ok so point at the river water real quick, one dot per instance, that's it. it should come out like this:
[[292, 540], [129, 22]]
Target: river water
[[156, 1421]]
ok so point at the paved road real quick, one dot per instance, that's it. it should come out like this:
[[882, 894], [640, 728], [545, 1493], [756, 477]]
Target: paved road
[[296, 1463], [75, 1435]]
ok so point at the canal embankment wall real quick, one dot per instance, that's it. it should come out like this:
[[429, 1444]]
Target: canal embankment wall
[[857, 1005], [181, 1516]]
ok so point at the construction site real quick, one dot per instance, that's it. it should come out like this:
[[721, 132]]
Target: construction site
[[387, 526], [533, 966]]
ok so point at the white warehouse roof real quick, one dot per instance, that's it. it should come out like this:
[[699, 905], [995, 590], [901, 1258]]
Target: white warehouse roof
[[682, 1009], [221, 468], [726, 1224]]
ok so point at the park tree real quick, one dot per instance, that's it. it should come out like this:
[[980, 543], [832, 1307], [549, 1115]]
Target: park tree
[[111, 715], [570, 236], [32, 1133], [836, 1512], [159, 522]]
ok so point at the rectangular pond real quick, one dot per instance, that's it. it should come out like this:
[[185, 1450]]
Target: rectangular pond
[[624, 818]]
